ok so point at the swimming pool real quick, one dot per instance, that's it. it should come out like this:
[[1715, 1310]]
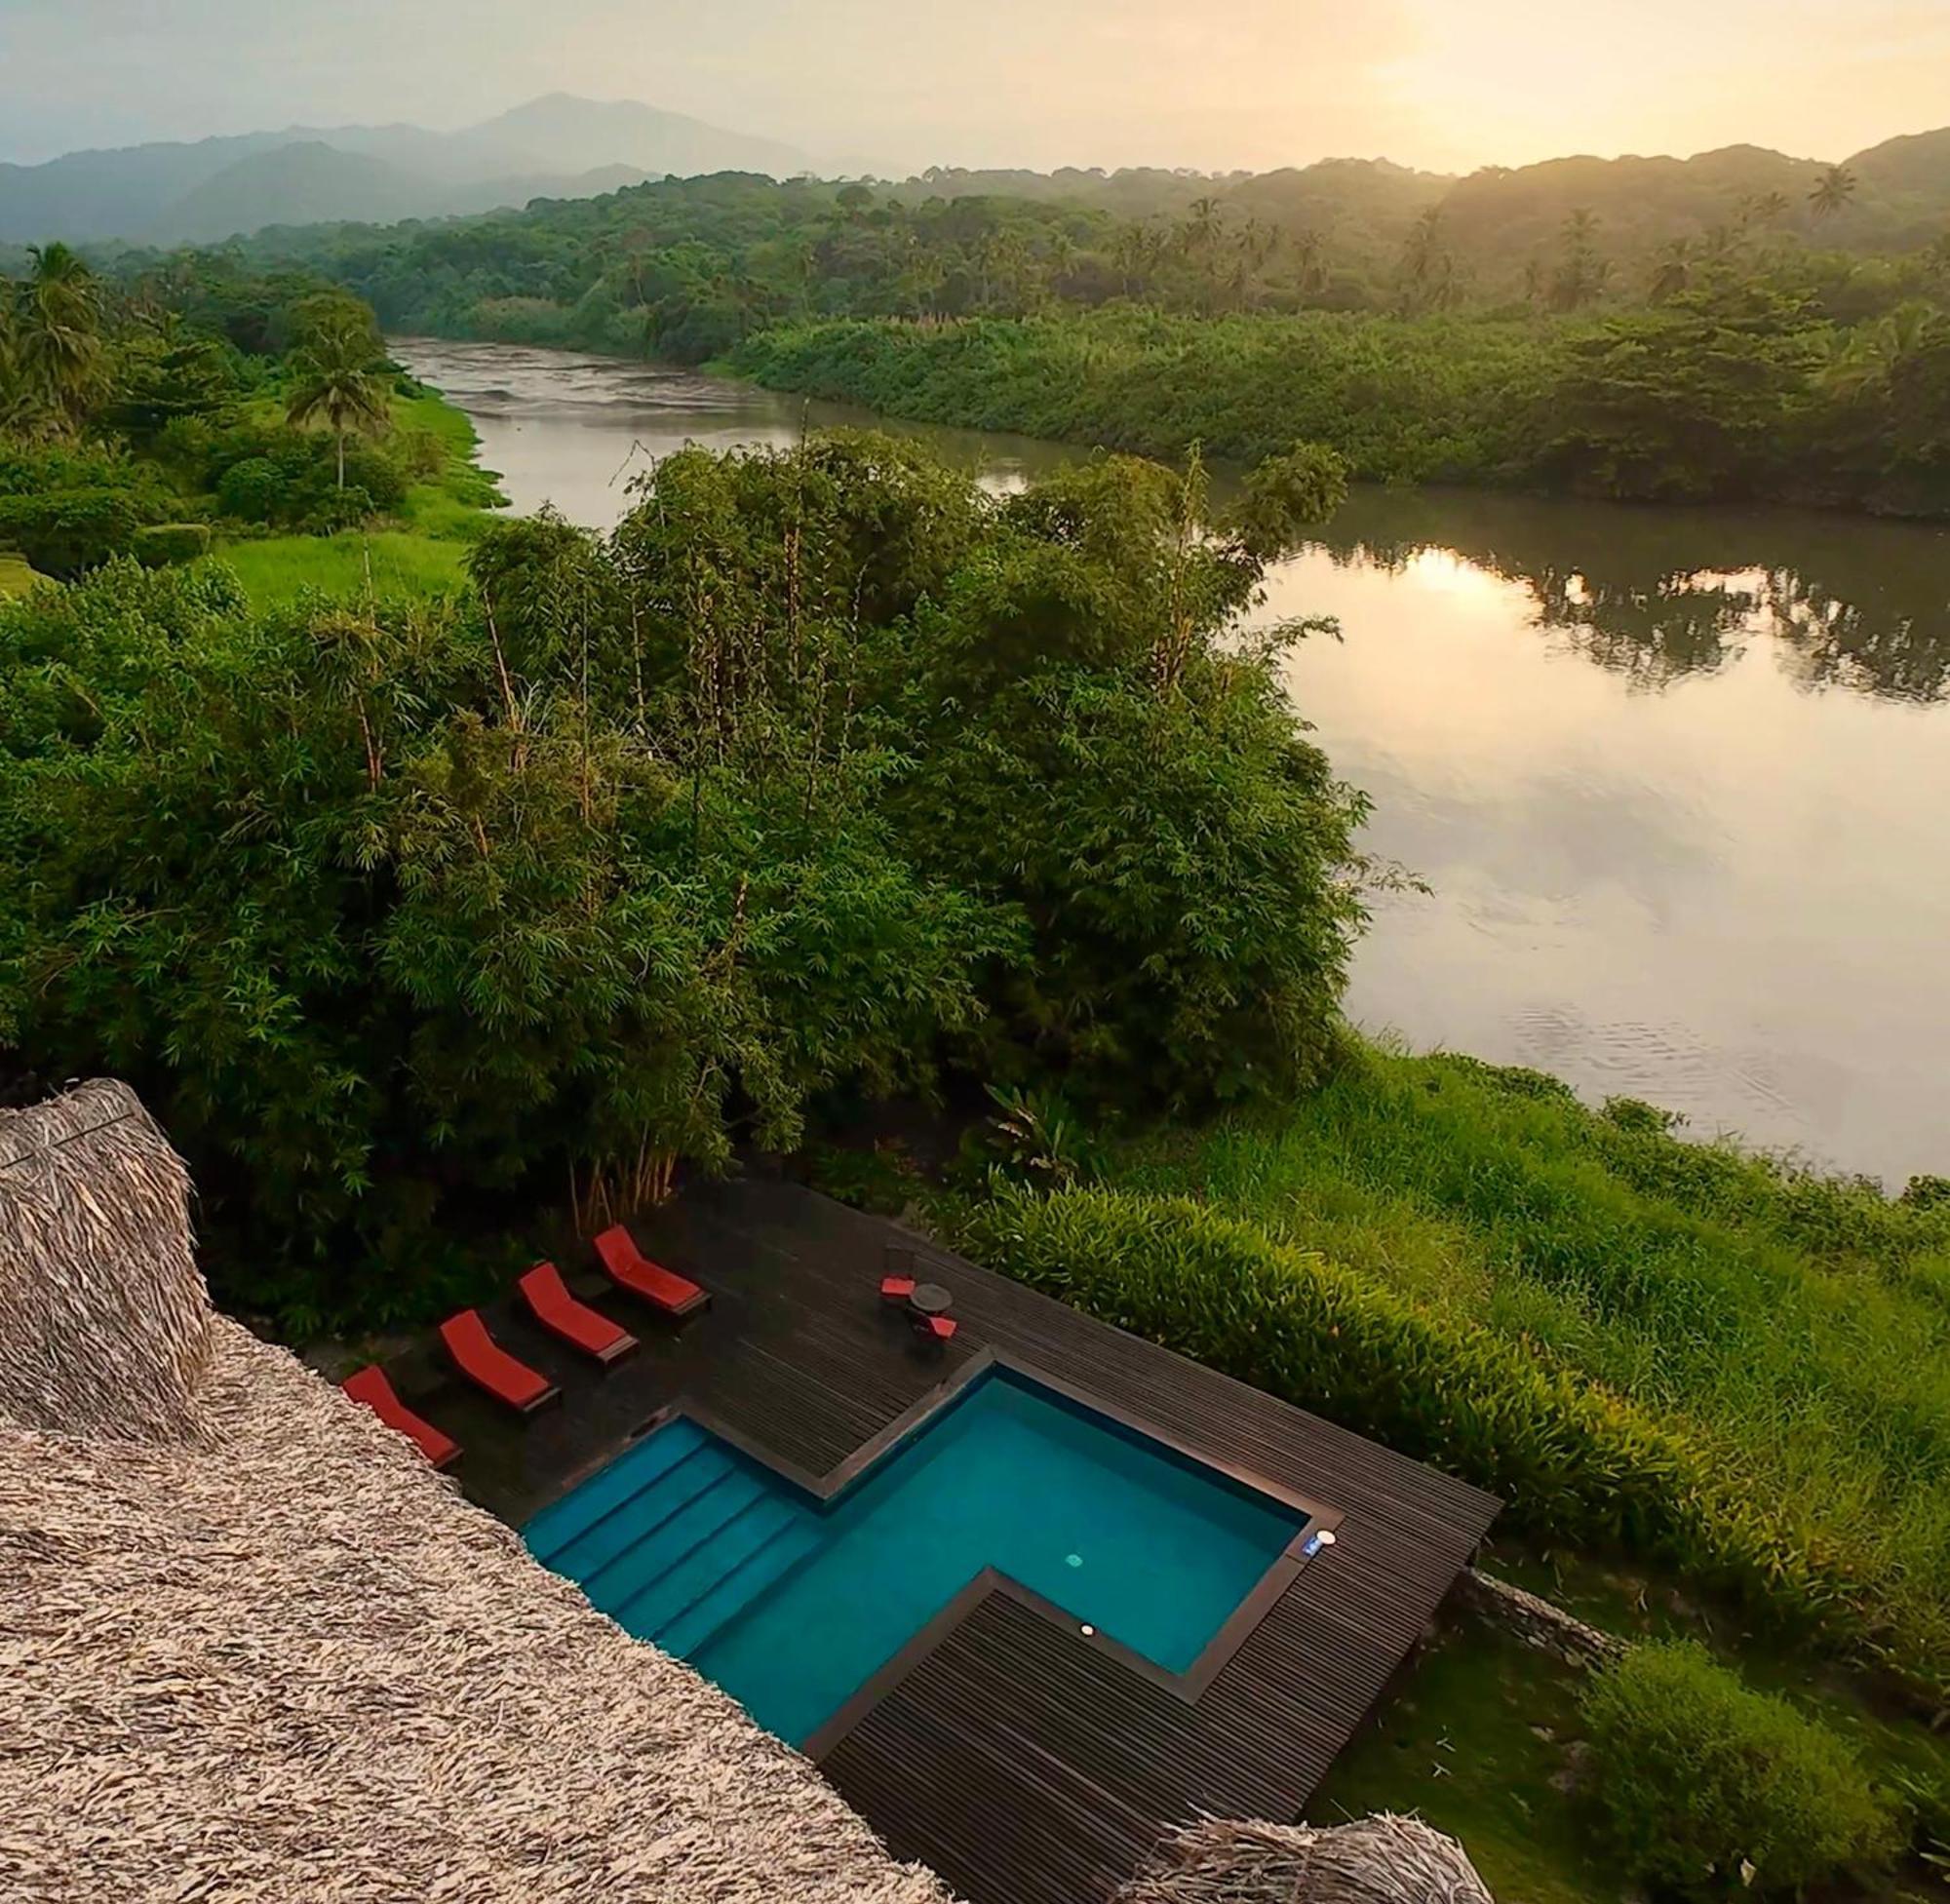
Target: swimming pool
[[791, 1605]]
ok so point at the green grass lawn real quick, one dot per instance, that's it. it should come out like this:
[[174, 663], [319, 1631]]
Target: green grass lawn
[[1482, 1737], [277, 570], [1478, 1730], [445, 513], [453, 502]]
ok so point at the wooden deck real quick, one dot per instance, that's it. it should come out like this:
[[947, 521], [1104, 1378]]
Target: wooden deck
[[1025, 1764]]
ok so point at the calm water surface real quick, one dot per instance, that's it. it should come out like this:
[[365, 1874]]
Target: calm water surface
[[1680, 779]]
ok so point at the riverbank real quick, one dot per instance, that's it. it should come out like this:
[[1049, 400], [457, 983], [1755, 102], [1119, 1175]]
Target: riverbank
[[1724, 401], [420, 549]]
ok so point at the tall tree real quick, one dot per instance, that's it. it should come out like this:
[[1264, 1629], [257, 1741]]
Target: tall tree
[[1425, 278], [338, 380], [1833, 191], [1671, 271], [1581, 274], [58, 350]]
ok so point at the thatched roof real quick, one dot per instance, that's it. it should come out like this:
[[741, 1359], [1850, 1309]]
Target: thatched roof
[[105, 1316], [262, 1652], [1380, 1860]]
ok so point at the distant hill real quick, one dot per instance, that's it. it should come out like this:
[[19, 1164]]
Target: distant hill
[[1356, 211], [1500, 219], [554, 147], [574, 135]]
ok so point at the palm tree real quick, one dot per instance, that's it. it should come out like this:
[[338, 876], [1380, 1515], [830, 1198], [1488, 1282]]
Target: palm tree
[[58, 350], [1671, 272], [1202, 230], [1759, 208], [1832, 192], [1583, 274], [1425, 277], [1306, 248], [1936, 259], [338, 381], [1875, 355]]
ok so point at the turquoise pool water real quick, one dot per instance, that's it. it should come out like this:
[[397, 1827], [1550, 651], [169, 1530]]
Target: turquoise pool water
[[792, 1605]]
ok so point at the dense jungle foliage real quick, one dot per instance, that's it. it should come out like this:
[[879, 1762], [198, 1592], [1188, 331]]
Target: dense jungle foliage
[[157, 417], [825, 771], [1731, 393], [1740, 361]]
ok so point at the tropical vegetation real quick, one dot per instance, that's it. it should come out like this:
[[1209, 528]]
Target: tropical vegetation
[[824, 774], [1734, 350], [1710, 1788], [198, 408]]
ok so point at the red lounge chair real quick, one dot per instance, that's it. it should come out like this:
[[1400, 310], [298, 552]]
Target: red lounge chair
[[371, 1386], [486, 1363], [935, 1328], [576, 1323], [896, 1289], [630, 1268]]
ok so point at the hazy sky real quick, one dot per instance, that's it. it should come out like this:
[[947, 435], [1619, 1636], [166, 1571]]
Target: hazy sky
[[1449, 84]]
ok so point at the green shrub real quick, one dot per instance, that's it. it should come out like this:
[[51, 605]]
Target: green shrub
[[383, 475], [62, 532], [1709, 1787], [164, 543], [335, 510], [1572, 1461], [252, 490]]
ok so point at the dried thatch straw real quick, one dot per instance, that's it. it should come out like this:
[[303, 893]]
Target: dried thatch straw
[[281, 1660], [105, 1319], [1380, 1860]]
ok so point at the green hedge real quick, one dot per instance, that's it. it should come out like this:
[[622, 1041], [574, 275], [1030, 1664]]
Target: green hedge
[[168, 543], [1571, 1461], [1710, 1788]]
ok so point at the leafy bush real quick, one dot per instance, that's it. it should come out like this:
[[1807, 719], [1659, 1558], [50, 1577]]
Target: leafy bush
[[164, 543], [382, 475], [62, 532], [1574, 1462], [1708, 1786], [331, 511], [252, 490]]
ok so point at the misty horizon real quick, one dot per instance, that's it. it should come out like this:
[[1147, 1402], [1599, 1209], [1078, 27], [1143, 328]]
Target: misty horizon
[[868, 87], [847, 166]]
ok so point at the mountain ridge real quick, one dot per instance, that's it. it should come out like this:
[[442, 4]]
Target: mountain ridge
[[177, 191]]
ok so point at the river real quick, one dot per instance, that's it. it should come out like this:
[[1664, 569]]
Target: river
[[1679, 779]]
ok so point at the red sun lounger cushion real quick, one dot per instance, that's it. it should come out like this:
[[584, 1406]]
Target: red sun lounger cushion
[[632, 1270], [489, 1366], [371, 1386], [576, 1323]]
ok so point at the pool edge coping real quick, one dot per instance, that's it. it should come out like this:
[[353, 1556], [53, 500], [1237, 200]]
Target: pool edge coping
[[1188, 1686]]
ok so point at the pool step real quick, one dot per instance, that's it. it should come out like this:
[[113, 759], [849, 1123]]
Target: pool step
[[677, 1537], [723, 1551], [645, 1514], [704, 1514], [558, 1527], [790, 1542]]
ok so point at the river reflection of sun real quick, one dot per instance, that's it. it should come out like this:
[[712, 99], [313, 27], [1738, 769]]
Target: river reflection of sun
[[1449, 573]]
